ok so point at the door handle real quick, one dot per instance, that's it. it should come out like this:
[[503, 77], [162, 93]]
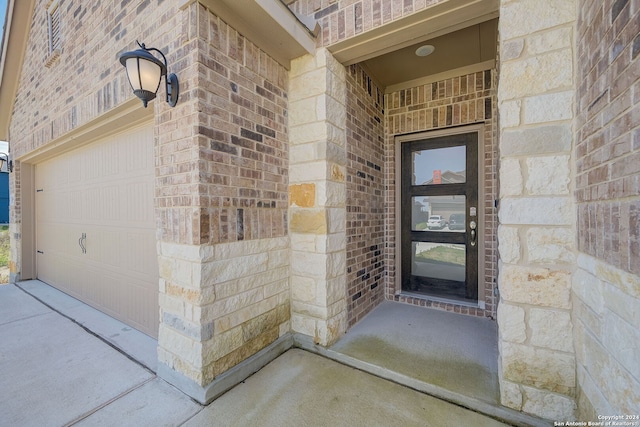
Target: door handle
[[472, 226], [81, 241]]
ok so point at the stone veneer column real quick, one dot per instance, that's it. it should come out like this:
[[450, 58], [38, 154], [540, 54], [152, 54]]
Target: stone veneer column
[[536, 212], [317, 196]]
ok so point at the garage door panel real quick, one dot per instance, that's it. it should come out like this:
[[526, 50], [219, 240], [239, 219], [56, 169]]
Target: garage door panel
[[104, 191]]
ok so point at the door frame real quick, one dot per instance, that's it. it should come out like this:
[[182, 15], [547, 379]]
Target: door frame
[[398, 141]]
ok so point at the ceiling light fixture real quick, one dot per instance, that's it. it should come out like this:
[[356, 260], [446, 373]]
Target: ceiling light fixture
[[425, 50]]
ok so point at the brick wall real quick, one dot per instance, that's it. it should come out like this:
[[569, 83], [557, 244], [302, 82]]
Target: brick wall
[[239, 136], [341, 19], [365, 194], [456, 101], [60, 93], [608, 138], [606, 286]]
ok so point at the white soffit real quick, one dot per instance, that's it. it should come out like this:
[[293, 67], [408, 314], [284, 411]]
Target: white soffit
[[439, 19], [269, 24]]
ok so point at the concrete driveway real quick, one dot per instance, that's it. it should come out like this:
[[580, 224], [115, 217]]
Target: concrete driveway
[[55, 372]]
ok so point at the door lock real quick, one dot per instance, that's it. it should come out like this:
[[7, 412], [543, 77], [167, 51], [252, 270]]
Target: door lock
[[473, 226]]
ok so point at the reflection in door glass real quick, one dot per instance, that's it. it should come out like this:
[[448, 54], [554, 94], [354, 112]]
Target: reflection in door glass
[[438, 261], [438, 213], [439, 166]]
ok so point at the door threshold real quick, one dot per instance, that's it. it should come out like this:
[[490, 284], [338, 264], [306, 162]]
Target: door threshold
[[472, 304]]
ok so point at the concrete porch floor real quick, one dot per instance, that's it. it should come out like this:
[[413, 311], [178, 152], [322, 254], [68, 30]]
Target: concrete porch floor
[[446, 350], [452, 358], [446, 355]]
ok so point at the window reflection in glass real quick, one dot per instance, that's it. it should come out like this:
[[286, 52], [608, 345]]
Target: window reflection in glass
[[438, 213], [439, 166], [439, 261]]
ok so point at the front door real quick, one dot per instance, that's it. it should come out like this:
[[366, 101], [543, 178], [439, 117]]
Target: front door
[[439, 218]]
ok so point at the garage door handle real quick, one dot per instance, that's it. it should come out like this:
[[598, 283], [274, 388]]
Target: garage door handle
[[81, 241]]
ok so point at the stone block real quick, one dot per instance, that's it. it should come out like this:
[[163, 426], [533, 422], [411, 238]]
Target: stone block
[[303, 324], [312, 83], [550, 245], [302, 195], [557, 38], [510, 395], [303, 289], [551, 329], [308, 172], [622, 305], [537, 140], [309, 310], [531, 16], [509, 244], [622, 341], [510, 113], [307, 264], [511, 49], [550, 406], [538, 368], [336, 264], [223, 307], [549, 107], [536, 211], [535, 286], [302, 65], [589, 289], [591, 402], [548, 72], [304, 242], [311, 221], [230, 269], [185, 348], [304, 133], [305, 111], [277, 258], [331, 193], [511, 324], [548, 175], [337, 218], [622, 390], [511, 182]]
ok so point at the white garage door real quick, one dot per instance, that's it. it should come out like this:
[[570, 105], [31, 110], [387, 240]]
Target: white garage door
[[95, 227]]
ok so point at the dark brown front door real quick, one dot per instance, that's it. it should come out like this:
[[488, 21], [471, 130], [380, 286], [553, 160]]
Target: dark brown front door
[[439, 220]]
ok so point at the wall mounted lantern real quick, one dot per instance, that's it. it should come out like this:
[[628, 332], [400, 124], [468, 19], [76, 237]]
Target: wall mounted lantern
[[5, 158], [145, 72]]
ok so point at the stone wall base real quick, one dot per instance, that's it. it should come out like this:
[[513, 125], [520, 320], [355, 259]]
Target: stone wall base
[[229, 379]]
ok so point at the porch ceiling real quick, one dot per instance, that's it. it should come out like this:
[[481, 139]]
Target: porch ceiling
[[464, 33]]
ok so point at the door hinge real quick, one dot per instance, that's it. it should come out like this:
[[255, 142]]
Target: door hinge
[[40, 252], [40, 190]]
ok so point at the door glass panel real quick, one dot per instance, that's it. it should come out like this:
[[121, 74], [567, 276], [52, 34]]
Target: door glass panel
[[444, 261], [439, 166], [438, 213]]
